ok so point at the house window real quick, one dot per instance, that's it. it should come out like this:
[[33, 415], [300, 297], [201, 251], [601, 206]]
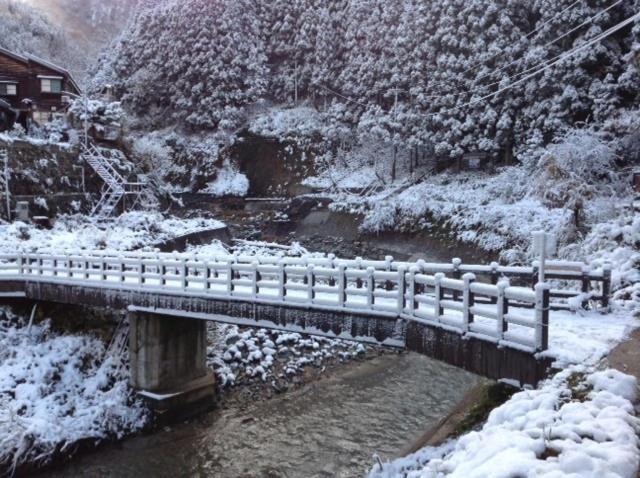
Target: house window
[[51, 85], [8, 89]]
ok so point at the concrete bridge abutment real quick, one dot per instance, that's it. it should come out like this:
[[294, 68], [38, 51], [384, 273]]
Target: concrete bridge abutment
[[168, 367]]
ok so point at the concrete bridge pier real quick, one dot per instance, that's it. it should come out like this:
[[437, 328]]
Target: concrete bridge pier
[[168, 364]]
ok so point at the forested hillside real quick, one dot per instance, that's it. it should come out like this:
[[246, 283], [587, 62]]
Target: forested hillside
[[454, 75]]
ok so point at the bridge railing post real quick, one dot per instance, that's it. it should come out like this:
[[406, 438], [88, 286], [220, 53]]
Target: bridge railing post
[[468, 300], [332, 265], [311, 284], [456, 274], [121, 269], [255, 277], [371, 300], [542, 316], [438, 296], [342, 285], [402, 289], [359, 267], [183, 274], [139, 271], [162, 269], [282, 280], [494, 277], [20, 263], [412, 305], [207, 276], [229, 278], [502, 307]]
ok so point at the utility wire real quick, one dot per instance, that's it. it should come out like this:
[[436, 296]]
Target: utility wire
[[554, 41], [549, 64]]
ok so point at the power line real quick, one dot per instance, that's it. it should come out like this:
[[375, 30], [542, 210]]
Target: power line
[[518, 60], [562, 58], [531, 33], [554, 41], [546, 66]]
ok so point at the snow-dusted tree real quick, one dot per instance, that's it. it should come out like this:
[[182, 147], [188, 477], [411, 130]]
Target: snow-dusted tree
[[196, 62]]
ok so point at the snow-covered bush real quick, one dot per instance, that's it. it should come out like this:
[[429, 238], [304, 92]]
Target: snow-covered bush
[[229, 182], [56, 390], [575, 169], [97, 111]]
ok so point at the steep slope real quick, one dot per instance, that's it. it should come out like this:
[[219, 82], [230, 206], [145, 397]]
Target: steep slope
[[438, 74]]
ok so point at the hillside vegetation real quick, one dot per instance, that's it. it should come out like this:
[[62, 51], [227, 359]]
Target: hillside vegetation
[[405, 72]]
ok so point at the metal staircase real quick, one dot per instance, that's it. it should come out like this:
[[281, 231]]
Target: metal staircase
[[116, 187]]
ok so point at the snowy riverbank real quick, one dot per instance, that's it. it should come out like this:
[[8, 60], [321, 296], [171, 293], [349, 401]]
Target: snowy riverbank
[[581, 421]]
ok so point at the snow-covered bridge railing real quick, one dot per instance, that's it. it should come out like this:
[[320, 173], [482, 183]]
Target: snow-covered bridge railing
[[594, 284], [515, 317]]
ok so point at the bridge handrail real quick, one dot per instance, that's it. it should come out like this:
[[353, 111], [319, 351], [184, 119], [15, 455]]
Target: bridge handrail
[[564, 268], [460, 304], [572, 271]]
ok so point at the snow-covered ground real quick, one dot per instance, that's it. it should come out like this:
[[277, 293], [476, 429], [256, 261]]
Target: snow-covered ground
[[133, 230], [580, 423], [270, 355]]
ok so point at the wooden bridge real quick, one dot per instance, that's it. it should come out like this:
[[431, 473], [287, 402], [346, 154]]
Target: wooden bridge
[[489, 319]]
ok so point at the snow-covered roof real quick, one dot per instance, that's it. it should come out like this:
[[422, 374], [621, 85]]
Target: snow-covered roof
[[47, 64]]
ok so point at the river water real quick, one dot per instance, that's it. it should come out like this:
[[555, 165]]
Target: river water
[[330, 428]]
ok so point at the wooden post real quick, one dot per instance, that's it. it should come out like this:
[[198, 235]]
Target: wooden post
[[586, 284], [542, 317], [606, 286], [468, 300]]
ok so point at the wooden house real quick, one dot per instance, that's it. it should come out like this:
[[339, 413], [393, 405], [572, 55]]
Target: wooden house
[[32, 89]]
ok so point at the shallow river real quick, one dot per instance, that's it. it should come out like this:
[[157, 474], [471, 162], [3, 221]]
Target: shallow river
[[330, 428]]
